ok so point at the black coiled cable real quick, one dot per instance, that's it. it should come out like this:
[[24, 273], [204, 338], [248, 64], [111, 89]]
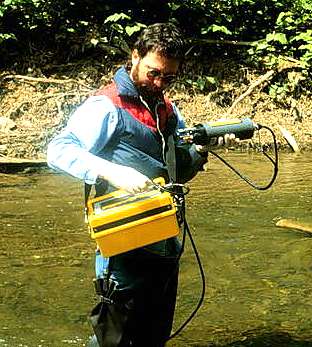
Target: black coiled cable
[[274, 161], [180, 190]]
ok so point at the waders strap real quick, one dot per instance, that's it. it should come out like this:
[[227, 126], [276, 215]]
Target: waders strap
[[105, 286]]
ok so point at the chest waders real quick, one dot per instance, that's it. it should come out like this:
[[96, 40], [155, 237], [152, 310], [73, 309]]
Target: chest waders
[[109, 317]]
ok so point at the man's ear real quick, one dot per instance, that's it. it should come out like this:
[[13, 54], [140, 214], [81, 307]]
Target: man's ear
[[135, 57]]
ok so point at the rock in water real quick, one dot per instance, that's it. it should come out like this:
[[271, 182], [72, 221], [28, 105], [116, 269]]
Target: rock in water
[[290, 139], [291, 224]]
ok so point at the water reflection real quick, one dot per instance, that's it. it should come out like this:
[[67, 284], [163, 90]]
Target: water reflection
[[258, 276]]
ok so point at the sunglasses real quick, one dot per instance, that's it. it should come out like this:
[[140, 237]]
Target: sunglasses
[[156, 74]]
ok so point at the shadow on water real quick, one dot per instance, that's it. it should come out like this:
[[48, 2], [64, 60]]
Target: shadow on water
[[267, 339], [258, 339]]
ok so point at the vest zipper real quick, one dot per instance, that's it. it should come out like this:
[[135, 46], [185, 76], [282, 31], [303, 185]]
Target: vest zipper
[[155, 113]]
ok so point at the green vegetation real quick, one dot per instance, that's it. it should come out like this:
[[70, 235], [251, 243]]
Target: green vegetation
[[267, 34]]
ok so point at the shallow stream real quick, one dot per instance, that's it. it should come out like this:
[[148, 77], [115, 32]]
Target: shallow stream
[[258, 276]]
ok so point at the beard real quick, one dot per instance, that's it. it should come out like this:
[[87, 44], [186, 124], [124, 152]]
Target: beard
[[146, 89]]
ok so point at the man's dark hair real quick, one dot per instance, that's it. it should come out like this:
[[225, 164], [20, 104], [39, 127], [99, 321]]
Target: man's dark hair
[[164, 38]]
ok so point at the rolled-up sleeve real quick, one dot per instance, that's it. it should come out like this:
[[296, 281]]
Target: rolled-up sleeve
[[74, 150]]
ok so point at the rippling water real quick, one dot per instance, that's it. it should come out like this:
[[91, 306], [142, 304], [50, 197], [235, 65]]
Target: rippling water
[[258, 276]]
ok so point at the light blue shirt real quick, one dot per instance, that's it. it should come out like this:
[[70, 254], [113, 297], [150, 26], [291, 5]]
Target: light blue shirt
[[88, 131]]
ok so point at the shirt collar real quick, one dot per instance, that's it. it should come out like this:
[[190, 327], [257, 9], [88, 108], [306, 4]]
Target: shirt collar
[[124, 83]]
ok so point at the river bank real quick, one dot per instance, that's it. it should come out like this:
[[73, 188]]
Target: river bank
[[34, 107]]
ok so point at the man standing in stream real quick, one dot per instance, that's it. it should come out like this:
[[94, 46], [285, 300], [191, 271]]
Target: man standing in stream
[[120, 138]]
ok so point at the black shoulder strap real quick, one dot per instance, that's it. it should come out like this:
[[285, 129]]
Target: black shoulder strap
[[87, 191]]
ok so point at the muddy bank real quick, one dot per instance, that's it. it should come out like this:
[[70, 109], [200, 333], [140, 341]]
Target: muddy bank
[[35, 107]]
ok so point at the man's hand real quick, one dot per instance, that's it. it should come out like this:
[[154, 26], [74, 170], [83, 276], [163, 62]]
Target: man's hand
[[124, 177], [228, 140]]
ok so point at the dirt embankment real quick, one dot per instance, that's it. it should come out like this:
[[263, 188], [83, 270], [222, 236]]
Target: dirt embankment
[[35, 107]]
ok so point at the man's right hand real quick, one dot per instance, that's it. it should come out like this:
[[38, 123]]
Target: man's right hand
[[125, 178]]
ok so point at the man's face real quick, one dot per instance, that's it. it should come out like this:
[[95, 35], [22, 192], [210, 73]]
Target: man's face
[[152, 73]]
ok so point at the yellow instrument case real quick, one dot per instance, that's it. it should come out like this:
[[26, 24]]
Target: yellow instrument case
[[120, 222]]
